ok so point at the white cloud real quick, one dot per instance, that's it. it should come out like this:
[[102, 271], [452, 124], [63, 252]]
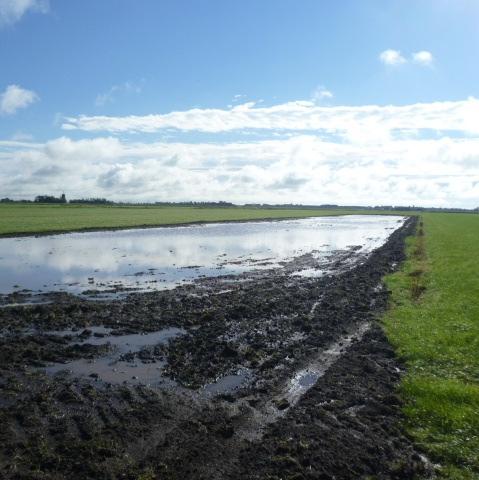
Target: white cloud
[[422, 154], [321, 93], [368, 123], [15, 98], [110, 95], [423, 58], [300, 169], [12, 11], [392, 57]]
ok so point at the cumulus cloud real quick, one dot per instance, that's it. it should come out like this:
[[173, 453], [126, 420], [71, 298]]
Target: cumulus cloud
[[14, 98], [423, 57], [395, 58], [11, 11], [421, 154], [368, 123], [299, 169], [392, 57]]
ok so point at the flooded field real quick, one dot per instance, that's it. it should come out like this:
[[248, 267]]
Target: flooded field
[[200, 352], [159, 258]]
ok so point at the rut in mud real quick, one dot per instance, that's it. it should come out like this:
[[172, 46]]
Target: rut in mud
[[264, 375]]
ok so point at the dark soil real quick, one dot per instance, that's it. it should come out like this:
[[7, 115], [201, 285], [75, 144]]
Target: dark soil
[[248, 334]]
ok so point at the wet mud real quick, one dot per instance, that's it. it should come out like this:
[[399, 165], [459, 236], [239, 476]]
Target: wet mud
[[263, 375]]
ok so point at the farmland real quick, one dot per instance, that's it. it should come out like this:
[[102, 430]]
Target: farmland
[[43, 218], [269, 324]]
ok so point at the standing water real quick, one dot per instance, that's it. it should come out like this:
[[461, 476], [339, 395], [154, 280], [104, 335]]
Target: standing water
[[159, 258]]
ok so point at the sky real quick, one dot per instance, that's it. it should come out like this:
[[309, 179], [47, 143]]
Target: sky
[[364, 102]]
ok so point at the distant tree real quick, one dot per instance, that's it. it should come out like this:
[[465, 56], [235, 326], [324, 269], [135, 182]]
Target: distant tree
[[50, 199], [92, 201]]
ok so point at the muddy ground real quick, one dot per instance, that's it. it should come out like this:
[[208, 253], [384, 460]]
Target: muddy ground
[[271, 376]]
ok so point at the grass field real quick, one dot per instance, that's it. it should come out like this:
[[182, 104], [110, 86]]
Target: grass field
[[434, 324], [28, 218]]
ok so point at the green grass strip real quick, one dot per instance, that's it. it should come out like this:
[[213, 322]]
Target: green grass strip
[[434, 325], [43, 218]]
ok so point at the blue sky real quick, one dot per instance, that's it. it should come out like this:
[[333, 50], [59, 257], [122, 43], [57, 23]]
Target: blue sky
[[248, 101]]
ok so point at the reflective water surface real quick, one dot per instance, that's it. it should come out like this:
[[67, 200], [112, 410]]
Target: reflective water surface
[[158, 258], [112, 368]]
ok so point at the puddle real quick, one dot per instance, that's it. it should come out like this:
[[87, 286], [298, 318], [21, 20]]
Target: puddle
[[116, 371], [160, 258], [229, 383], [112, 368]]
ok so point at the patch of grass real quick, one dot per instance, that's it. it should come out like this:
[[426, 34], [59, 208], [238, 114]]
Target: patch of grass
[[437, 334], [41, 218]]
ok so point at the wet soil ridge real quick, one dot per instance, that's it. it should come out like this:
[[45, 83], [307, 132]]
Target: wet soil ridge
[[230, 408]]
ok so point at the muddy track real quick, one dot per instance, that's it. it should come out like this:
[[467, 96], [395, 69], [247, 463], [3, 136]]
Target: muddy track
[[277, 376]]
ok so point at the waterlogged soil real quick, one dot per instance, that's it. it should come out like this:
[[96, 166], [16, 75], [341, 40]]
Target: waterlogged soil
[[263, 375]]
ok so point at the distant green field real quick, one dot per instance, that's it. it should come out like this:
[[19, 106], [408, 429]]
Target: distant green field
[[434, 325], [30, 218]]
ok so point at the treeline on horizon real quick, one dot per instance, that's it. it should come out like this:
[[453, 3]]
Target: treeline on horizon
[[50, 199]]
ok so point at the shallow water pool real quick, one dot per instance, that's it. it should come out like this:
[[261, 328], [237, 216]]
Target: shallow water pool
[[158, 258]]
